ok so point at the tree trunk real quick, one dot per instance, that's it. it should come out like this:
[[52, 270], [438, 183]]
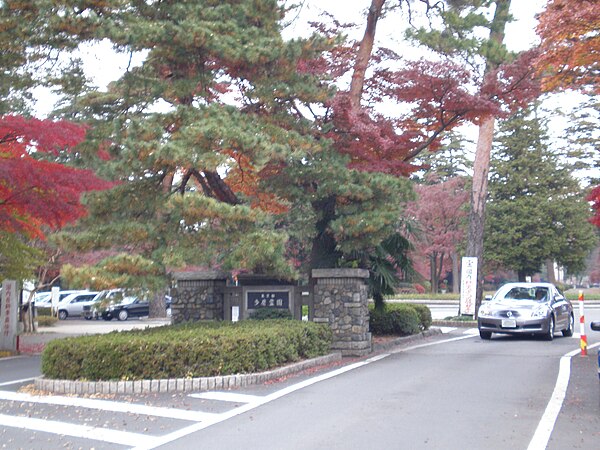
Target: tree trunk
[[481, 170], [550, 270], [364, 53], [433, 273], [455, 274], [158, 305], [482, 162]]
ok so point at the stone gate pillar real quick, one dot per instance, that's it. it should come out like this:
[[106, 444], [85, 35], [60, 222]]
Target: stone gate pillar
[[198, 296], [341, 300]]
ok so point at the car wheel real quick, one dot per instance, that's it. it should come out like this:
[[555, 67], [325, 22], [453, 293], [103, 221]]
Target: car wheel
[[88, 317], [62, 314], [487, 335], [550, 333], [569, 331], [123, 314]]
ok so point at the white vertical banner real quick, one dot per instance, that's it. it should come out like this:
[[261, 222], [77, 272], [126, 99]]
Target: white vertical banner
[[9, 314], [55, 298], [468, 285]]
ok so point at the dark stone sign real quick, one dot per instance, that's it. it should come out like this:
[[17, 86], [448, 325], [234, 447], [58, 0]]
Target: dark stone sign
[[268, 299]]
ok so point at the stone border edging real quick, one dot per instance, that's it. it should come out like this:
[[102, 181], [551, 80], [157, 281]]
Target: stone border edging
[[177, 384], [406, 339], [455, 323]]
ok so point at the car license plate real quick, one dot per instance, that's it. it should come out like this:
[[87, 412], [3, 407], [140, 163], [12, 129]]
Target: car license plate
[[509, 323]]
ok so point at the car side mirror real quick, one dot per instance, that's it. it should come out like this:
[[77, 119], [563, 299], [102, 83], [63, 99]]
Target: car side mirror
[[595, 326], [487, 298]]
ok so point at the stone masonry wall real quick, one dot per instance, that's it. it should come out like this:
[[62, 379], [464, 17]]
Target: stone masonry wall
[[341, 300], [198, 299]]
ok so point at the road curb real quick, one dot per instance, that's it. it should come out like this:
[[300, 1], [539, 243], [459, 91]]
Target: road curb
[[178, 384], [405, 339], [170, 385], [456, 323]]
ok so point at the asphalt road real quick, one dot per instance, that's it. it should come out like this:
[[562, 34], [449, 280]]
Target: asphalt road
[[451, 391]]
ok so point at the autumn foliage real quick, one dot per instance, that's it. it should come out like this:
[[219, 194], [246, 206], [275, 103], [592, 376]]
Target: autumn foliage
[[570, 53], [35, 193], [570, 45]]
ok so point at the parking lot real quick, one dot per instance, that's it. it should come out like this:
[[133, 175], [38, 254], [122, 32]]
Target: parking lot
[[33, 343]]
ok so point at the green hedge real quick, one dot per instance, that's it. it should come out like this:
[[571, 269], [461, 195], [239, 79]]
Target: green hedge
[[424, 313], [185, 351], [399, 319], [46, 321], [271, 313]]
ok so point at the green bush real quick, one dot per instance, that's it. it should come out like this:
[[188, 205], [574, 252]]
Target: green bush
[[271, 313], [185, 351], [43, 311], [46, 321], [424, 315], [399, 319]]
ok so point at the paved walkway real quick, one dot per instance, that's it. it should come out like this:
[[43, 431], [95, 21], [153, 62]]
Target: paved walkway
[[33, 343]]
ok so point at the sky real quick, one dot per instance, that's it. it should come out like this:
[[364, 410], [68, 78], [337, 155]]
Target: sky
[[103, 65]]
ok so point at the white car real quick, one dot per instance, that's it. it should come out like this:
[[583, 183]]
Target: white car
[[72, 305], [44, 299]]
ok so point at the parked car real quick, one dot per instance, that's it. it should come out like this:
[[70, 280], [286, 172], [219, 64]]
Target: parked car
[[44, 299], [129, 307], [118, 303], [526, 308], [596, 327], [72, 305]]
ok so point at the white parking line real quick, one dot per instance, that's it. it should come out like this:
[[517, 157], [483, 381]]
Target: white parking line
[[260, 401], [74, 430], [446, 330], [276, 395], [544, 429], [109, 405], [23, 380]]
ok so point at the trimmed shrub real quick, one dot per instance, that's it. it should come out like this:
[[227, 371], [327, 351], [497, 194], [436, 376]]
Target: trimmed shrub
[[424, 315], [46, 321], [43, 311], [271, 313], [185, 350], [399, 319]]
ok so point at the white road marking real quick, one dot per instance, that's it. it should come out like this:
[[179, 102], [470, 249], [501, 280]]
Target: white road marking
[[23, 380], [471, 331], [276, 395], [446, 330], [259, 402], [74, 430], [227, 397], [109, 405], [429, 344], [546, 425]]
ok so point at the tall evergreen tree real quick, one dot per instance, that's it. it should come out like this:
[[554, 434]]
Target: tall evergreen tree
[[536, 208]]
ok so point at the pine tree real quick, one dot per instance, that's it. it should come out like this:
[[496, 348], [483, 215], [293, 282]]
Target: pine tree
[[536, 208]]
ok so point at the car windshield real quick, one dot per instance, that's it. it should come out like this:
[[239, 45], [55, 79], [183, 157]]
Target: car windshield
[[528, 293], [128, 300]]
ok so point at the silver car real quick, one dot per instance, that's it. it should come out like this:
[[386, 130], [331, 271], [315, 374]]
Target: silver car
[[526, 308], [72, 305]]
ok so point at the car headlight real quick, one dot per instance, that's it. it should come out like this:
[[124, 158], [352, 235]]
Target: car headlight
[[485, 311], [539, 311]]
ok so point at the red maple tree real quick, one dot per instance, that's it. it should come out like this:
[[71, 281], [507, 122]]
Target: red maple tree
[[440, 214], [569, 56], [35, 193]]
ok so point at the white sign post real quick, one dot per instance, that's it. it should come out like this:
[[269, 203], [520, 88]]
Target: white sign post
[[54, 300], [468, 286], [9, 316]]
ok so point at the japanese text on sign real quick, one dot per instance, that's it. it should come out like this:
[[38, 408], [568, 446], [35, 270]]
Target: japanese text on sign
[[280, 299]]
